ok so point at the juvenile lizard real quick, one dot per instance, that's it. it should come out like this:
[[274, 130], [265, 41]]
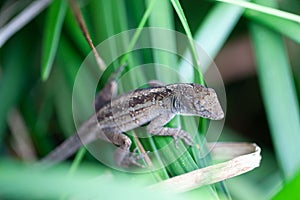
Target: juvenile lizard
[[154, 105]]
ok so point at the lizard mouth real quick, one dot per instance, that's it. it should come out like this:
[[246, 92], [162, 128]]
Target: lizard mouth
[[219, 116], [213, 116]]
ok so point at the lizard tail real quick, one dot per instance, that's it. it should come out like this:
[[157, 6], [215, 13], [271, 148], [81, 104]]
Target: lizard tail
[[63, 151]]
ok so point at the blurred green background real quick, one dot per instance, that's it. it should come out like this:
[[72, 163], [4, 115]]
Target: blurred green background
[[255, 48]]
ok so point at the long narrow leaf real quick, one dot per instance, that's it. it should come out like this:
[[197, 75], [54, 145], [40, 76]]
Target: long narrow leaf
[[283, 22], [162, 16], [265, 9], [290, 190], [281, 25], [279, 95], [14, 77], [53, 27], [29, 13], [216, 28], [188, 32]]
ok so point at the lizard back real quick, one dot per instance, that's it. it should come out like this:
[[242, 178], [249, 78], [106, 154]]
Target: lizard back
[[133, 109]]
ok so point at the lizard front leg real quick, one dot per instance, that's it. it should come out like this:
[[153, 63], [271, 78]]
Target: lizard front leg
[[122, 156], [156, 128]]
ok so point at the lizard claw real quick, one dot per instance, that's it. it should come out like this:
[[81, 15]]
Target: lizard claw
[[135, 157], [132, 159], [175, 138], [186, 137]]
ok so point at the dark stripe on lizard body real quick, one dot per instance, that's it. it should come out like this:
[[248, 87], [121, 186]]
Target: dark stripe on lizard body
[[156, 105]]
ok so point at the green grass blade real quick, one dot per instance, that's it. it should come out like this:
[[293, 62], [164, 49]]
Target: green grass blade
[[19, 181], [14, 77], [265, 9], [213, 33], [162, 16], [284, 22], [185, 162], [62, 100], [75, 34], [54, 22], [279, 95], [78, 158], [290, 190], [198, 75], [286, 27], [138, 30], [21, 20], [216, 28], [39, 122], [69, 62], [211, 36]]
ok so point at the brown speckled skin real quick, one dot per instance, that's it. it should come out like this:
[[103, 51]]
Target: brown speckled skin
[[156, 106]]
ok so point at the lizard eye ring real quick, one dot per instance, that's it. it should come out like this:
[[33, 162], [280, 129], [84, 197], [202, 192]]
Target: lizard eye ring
[[175, 103]]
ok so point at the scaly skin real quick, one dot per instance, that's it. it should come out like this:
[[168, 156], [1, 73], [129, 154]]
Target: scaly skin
[[157, 105]]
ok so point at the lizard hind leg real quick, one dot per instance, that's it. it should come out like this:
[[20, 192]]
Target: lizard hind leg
[[125, 158], [122, 156]]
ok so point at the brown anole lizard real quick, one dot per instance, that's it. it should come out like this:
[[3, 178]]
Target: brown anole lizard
[[155, 105]]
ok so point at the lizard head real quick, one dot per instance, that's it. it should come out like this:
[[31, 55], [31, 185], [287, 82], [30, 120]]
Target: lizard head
[[198, 100]]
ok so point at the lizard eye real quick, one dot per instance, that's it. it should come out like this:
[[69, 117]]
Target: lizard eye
[[175, 104]]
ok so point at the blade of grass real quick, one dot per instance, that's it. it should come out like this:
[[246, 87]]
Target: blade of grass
[[133, 41], [162, 16], [78, 158], [82, 25], [121, 22], [53, 25], [75, 34], [279, 95], [102, 21], [113, 23], [264, 9], [213, 33], [107, 24], [279, 24], [198, 77], [138, 30], [37, 122], [62, 101], [40, 122], [22, 19], [216, 28], [70, 62], [52, 184], [15, 77], [197, 74], [283, 22], [290, 190], [211, 36], [63, 79], [9, 9], [21, 139], [267, 175]]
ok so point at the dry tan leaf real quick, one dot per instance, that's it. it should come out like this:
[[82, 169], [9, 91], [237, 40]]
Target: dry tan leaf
[[243, 157]]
